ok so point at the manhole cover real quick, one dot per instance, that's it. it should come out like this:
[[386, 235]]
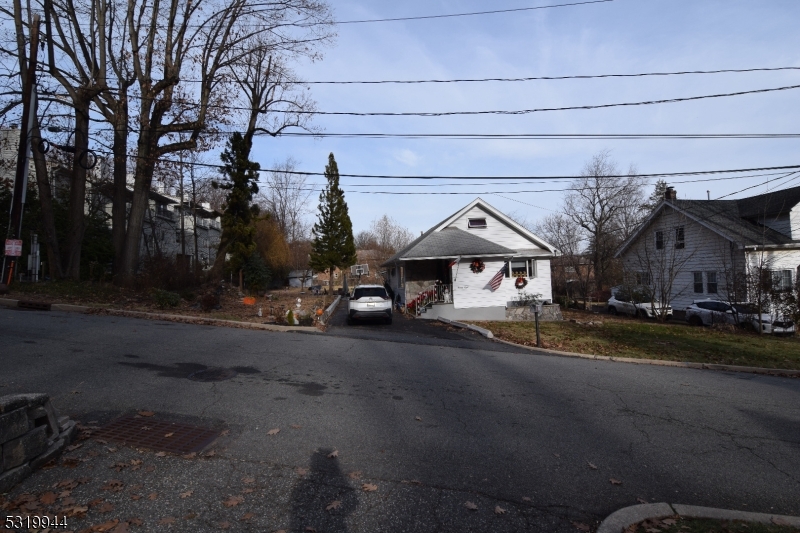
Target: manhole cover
[[212, 374], [157, 435]]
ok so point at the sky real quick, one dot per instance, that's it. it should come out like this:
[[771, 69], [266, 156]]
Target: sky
[[616, 37]]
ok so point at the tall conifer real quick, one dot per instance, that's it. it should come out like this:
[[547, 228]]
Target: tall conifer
[[333, 244]]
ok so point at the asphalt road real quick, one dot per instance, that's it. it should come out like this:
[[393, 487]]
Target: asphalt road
[[432, 417]]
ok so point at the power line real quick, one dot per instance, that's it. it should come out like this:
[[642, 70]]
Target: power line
[[546, 136], [500, 112], [539, 78]]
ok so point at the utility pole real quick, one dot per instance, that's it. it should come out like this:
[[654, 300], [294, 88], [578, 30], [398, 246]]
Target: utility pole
[[13, 250]]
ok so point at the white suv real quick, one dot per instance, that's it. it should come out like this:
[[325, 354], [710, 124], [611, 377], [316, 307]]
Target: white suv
[[621, 302], [369, 301], [708, 312]]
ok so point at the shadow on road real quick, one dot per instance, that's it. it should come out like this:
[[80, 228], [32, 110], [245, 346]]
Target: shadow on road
[[323, 500]]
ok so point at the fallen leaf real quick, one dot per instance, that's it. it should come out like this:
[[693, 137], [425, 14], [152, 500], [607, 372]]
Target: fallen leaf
[[311, 529], [557, 455], [67, 484], [248, 491], [74, 447], [101, 441], [136, 521], [106, 526], [615, 481], [499, 510], [248, 480], [225, 525], [111, 450], [76, 511], [335, 504], [669, 521], [641, 500], [581, 526], [526, 499], [167, 520], [161, 454], [233, 501], [122, 527], [418, 418], [113, 485], [136, 497], [301, 471], [354, 475], [369, 487], [136, 462], [186, 494], [190, 455], [64, 494], [295, 426], [95, 502], [779, 521], [274, 431], [168, 435], [48, 498], [592, 466], [145, 413], [224, 432], [471, 506], [105, 508], [152, 496], [334, 454], [212, 453], [248, 516]]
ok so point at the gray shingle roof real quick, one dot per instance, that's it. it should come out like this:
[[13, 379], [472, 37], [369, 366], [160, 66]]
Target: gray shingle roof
[[449, 242], [732, 218]]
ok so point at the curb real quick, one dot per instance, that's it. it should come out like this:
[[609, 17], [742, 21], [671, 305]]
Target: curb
[[483, 331], [329, 311], [659, 362], [617, 521], [187, 319]]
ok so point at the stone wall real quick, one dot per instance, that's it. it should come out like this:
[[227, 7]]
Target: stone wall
[[550, 313], [31, 434]]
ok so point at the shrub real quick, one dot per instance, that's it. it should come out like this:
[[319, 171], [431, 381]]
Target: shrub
[[166, 298], [256, 273], [290, 318]]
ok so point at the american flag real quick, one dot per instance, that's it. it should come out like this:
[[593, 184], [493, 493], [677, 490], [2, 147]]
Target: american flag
[[495, 282]]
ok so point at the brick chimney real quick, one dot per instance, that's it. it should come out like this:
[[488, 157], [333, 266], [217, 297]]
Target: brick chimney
[[670, 194]]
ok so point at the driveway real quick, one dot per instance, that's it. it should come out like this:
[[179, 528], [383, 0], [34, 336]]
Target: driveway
[[418, 429], [409, 330]]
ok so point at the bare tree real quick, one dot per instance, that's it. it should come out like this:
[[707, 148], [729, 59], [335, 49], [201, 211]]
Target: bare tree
[[573, 272], [386, 237], [607, 206], [286, 197]]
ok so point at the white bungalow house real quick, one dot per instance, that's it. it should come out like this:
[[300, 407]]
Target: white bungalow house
[[689, 250], [447, 271]]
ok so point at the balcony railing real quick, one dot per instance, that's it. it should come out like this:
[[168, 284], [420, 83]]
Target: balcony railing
[[436, 293]]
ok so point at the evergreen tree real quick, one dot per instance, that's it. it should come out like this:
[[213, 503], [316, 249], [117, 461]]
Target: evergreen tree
[[238, 230], [333, 244], [655, 198]]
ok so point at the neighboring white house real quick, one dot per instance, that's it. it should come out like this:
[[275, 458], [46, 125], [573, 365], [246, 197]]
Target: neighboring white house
[[693, 249], [435, 268]]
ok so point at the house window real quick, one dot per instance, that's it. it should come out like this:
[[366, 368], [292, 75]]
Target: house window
[[680, 241], [659, 240], [643, 278], [781, 280], [525, 268], [698, 282], [711, 282], [476, 223]]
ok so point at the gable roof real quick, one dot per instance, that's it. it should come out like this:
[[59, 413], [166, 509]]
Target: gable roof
[[441, 241], [735, 220]]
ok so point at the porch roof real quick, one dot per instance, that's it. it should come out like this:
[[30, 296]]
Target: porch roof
[[449, 243]]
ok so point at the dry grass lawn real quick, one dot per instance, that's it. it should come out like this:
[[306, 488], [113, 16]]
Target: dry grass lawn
[[647, 339]]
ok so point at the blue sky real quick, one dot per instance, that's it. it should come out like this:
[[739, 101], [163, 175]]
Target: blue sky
[[623, 36]]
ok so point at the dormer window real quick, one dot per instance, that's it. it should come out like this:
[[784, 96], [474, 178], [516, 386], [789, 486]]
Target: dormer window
[[476, 223]]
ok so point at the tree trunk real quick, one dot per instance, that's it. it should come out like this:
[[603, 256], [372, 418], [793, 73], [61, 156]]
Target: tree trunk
[[46, 202], [119, 194], [77, 199]]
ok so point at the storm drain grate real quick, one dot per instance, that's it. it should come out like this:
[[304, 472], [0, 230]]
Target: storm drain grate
[[37, 306], [157, 435]]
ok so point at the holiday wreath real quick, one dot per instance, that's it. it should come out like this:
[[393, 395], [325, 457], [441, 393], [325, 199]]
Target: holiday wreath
[[520, 283], [477, 266]]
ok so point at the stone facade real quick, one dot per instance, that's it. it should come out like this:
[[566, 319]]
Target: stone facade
[[31, 434], [550, 313]]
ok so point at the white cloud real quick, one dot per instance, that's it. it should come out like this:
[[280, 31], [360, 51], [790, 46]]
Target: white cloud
[[407, 157]]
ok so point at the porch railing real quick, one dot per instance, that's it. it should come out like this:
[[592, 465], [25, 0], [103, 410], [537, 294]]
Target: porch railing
[[436, 293]]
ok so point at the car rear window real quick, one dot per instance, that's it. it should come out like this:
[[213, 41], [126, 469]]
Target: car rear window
[[366, 292]]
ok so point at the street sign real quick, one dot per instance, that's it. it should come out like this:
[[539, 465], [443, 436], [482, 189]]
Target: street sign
[[14, 247]]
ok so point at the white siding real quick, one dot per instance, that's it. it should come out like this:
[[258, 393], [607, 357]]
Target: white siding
[[472, 290], [495, 230], [705, 251], [794, 219]]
